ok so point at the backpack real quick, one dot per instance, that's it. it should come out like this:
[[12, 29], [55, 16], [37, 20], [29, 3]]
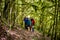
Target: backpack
[[33, 21]]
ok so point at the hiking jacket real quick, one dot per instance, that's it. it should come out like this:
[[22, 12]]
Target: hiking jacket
[[27, 21]]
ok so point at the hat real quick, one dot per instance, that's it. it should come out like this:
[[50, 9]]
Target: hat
[[28, 16]]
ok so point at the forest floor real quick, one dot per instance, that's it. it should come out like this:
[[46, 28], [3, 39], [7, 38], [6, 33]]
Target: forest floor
[[22, 34]]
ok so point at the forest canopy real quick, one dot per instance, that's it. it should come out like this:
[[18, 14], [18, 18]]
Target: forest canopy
[[46, 14]]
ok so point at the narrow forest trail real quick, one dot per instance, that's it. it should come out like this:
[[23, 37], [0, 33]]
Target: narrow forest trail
[[22, 34]]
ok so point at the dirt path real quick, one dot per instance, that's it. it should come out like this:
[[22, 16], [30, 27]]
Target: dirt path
[[22, 34]]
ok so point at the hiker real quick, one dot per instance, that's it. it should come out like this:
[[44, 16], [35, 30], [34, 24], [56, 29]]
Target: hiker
[[32, 24], [27, 23]]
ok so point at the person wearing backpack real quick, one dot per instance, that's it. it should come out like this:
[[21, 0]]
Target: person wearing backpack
[[27, 23], [32, 24]]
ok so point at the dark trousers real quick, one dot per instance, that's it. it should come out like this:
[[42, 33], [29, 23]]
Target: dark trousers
[[26, 27]]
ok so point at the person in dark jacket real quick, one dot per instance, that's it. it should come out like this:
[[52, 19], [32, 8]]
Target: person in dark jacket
[[27, 22]]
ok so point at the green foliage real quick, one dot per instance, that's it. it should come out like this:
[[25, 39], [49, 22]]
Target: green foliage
[[43, 11]]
